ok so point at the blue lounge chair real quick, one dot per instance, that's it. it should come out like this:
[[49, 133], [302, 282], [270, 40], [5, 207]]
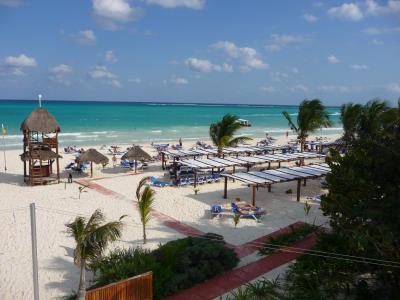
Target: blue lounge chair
[[215, 210], [155, 182], [252, 212]]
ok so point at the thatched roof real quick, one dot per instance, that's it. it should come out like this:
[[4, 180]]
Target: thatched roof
[[92, 155], [136, 153], [40, 120], [43, 154]]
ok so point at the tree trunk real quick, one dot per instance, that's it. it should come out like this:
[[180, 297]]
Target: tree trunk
[[82, 281], [144, 234]]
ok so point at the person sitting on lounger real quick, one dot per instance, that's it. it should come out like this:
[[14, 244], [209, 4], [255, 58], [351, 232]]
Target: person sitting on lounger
[[243, 206]]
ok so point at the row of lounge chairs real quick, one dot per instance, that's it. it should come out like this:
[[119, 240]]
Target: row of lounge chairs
[[200, 180]]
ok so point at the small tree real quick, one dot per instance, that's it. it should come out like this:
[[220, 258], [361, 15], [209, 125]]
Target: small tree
[[222, 133], [145, 203], [92, 237], [311, 116]]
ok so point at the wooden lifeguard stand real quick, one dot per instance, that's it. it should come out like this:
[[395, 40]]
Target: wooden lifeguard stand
[[40, 149]]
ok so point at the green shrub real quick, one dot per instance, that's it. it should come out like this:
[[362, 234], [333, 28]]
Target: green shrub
[[176, 265], [295, 234]]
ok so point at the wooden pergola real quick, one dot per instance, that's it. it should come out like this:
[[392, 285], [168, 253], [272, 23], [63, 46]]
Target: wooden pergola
[[266, 178]]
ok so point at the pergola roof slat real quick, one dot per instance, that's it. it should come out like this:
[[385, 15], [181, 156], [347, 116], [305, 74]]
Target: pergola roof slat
[[267, 176], [295, 173], [280, 174]]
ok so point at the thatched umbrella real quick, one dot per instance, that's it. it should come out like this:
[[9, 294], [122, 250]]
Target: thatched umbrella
[[40, 120], [136, 153], [92, 156]]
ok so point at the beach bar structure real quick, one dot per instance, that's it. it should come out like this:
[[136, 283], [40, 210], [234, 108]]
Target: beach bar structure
[[268, 177], [40, 148]]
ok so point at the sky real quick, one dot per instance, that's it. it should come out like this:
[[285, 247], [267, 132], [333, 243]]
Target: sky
[[212, 51]]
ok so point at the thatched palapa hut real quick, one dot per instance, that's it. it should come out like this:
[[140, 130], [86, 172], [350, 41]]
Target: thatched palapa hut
[[40, 130], [92, 156], [136, 153]]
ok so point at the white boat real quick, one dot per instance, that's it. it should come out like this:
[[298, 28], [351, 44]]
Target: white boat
[[244, 122]]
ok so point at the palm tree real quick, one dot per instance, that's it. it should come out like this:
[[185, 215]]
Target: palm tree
[[92, 237], [350, 115], [311, 116], [145, 204], [222, 133]]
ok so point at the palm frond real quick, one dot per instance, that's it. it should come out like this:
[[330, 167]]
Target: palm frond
[[142, 183], [290, 121]]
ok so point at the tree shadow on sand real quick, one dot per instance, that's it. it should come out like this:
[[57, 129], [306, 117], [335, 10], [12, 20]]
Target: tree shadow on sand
[[64, 264]]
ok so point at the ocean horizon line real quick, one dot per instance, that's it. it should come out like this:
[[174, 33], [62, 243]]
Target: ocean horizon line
[[158, 103]]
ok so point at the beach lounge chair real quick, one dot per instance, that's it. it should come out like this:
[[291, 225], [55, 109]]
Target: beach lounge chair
[[155, 182], [215, 210], [253, 212]]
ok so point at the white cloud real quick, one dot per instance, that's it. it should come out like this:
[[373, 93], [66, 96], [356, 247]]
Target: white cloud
[[14, 65], [204, 65], [336, 88], [333, 59], [85, 37], [250, 58], [10, 3], [111, 57], [373, 8], [278, 76], [393, 87], [346, 11], [279, 41], [358, 67], [135, 80], [194, 4], [103, 74], [295, 71], [20, 61], [300, 87], [379, 31], [377, 42], [179, 81], [268, 89], [59, 73], [117, 10], [309, 18]]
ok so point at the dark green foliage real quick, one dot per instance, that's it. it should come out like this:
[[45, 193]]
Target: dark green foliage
[[261, 289], [176, 265], [363, 205], [287, 239]]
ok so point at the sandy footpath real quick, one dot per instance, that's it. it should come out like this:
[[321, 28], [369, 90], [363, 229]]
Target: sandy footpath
[[58, 204]]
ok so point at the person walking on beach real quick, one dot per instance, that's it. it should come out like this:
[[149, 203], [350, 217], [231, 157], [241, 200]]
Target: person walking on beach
[[180, 142], [287, 134], [114, 160]]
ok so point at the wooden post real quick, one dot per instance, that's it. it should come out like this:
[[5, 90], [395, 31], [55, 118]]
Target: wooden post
[[195, 178], [162, 160], [135, 162], [305, 182], [226, 188], [58, 160], [248, 167], [254, 195], [269, 165], [279, 164], [234, 170], [91, 169], [298, 189], [269, 187]]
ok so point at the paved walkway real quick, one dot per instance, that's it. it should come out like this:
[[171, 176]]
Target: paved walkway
[[232, 279]]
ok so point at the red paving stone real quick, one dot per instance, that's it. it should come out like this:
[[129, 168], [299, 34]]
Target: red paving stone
[[230, 280]]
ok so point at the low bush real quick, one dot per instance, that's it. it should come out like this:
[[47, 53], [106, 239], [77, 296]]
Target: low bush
[[295, 234], [176, 265]]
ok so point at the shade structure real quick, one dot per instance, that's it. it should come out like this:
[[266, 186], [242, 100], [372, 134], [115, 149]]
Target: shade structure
[[40, 120], [269, 177], [136, 153], [93, 156]]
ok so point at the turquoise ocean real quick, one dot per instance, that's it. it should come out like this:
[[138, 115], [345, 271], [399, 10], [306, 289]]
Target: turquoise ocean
[[95, 123]]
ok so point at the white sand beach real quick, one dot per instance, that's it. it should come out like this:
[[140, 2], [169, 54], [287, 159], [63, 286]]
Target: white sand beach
[[58, 204]]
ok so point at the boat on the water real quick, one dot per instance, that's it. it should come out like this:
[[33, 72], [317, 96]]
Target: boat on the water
[[244, 122]]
